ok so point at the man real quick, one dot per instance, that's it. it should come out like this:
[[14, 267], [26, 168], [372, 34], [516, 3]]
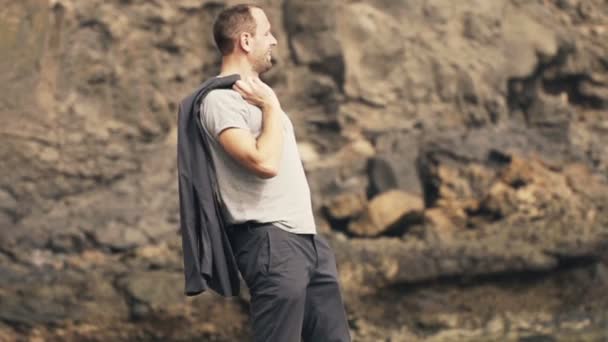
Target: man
[[290, 270]]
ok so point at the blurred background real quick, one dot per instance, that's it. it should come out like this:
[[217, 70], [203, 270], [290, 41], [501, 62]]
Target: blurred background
[[456, 150]]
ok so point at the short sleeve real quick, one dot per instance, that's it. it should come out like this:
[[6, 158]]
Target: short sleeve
[[221, 110]]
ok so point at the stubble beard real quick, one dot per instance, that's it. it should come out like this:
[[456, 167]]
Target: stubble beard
[[263, 64]]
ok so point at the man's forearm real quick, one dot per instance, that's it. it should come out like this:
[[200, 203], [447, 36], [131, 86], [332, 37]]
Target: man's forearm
[[270, 141]]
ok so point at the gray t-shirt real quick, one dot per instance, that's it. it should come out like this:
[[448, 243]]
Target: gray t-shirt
[[284, 199]]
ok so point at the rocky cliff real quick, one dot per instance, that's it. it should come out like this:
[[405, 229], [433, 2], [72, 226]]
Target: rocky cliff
[[456, 152]]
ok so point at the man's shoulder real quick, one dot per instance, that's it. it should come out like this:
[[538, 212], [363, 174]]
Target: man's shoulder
[[223, 94], [222, 100]]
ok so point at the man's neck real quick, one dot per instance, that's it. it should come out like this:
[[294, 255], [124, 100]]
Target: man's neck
[[235, 66]]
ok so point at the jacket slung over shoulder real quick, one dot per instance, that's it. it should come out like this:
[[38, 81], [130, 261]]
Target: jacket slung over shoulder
[[208, 258]]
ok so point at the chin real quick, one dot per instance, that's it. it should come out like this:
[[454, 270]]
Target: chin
[[265, 68]]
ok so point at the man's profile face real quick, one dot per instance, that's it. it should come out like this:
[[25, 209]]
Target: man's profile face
[[260, 56]]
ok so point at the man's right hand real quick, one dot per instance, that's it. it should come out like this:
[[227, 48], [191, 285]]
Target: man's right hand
[[258, 93]]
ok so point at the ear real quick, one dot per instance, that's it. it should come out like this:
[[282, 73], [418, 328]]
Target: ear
[[245, 41]]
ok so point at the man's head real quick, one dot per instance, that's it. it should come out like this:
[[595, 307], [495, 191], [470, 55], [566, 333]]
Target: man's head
[[244, 30]]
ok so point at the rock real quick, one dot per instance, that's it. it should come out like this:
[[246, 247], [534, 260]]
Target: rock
[[385, 211], [394, 166], [155, 290], [374, 263], [7, 202], [357, 24], [438, 223], [331, 178], [66, 295], [525, 38], [158, 256], [346, 205], [308, 154], [321, 37], [490, 115], [501, 201], [323, 227], [120, 237]]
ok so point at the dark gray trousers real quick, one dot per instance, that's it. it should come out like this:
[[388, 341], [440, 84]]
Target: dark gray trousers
[[293, 282]]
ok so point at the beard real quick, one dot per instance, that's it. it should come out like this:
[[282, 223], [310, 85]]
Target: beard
[[262, 63]]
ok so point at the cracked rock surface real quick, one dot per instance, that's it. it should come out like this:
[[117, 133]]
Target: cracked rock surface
[[456, 153]]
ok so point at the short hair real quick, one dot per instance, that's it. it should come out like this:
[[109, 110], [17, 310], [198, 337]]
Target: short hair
[[230, 23]]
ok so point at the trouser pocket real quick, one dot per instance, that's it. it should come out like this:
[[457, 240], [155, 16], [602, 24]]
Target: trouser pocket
[[252, 252]]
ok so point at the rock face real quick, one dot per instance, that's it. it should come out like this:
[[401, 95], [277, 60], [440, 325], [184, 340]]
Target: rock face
[[456, 153], [386, 212]]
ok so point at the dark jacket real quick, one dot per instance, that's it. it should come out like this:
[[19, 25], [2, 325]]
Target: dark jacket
[[208, 258]]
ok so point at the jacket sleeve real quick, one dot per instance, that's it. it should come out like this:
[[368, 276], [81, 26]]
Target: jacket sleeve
[[191, 239]]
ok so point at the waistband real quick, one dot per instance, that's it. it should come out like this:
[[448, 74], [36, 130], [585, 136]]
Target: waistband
[[245, 225]]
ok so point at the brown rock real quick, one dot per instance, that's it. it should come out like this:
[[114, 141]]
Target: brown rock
[[346, 205], [501, 200], [386, 210], [450, 98], [439, 224]]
